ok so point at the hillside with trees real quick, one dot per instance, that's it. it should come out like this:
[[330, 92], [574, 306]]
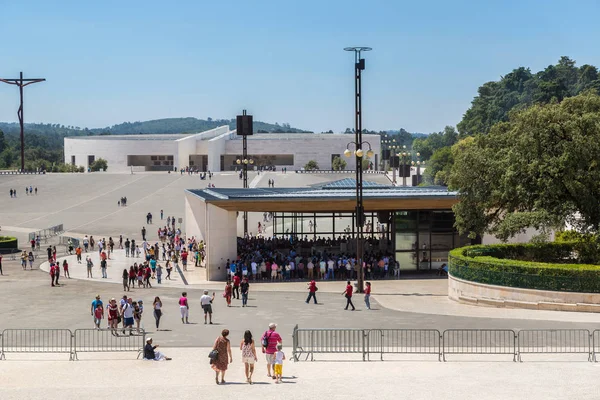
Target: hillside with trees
[[44, 142], [497, 100]]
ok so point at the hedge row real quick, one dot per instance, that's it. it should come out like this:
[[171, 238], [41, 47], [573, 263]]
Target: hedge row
[[478, 264], [8, 242]]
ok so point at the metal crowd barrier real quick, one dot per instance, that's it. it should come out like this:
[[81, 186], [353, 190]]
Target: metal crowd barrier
[[36, 341], [404, 341], [559, 341], [479, 341], [323, 341], [595, 344], [307, 342], [44, 234], [66, 341], [107, 341]]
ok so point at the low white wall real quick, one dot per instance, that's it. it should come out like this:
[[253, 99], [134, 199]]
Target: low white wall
[[501, 296], [115, 152]]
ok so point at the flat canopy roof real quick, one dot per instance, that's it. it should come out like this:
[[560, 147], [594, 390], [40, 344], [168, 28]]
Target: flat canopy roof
[[328, 199]]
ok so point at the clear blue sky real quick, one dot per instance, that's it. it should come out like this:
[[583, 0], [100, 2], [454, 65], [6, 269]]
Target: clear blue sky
[[112, 61]]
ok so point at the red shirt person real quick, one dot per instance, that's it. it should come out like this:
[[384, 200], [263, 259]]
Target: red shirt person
[[236, 287], [269, 341], [312, 290], [348, 294]]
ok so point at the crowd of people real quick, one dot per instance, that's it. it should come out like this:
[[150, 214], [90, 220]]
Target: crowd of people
[[291, 258]]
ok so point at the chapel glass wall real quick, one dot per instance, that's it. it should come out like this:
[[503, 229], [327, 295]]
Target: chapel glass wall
[[424, 238]]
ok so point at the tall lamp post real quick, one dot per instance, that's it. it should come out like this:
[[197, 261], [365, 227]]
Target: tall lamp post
[[418, 164], [21, 83], [359, 66], [244, 128]]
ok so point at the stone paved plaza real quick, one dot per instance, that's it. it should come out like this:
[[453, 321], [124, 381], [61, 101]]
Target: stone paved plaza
[[87, 204]]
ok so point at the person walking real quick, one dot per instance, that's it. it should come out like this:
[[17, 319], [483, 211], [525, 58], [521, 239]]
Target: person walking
[[127, 312], [236, 287], [269, 341], [223, 348], [184, 308], [278, 364], [244, 288], [1, 273], [159, 274], [157, 305], [113, 316], [89, 265], [125, 280], [103, 265], [30, 258], [138, 309], [227, 293], [312, 291], [348, 294], [66, 268], [248, 355], [206, 302], [52, 273], [97, 303], [169, 268], [368, 295]]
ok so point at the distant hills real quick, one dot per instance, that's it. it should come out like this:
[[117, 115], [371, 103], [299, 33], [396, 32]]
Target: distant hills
[[165, 125]]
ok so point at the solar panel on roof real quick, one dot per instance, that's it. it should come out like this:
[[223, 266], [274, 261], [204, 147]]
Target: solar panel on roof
[[349, 183]]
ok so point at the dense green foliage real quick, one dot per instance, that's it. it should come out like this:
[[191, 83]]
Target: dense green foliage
[[495, 101], [44, 142], [474, 263], [311, 165], [540, 169], [521, 88], [8, 242], [99, 165], [338, 164]]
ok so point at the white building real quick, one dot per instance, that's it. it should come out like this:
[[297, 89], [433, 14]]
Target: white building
[[214, 150]]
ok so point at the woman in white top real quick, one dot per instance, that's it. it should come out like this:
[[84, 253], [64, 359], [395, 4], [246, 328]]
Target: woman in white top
[[157, 310], [248, 355]]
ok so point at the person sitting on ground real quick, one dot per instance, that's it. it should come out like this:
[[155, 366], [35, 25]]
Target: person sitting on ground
[[443, 270], [152, 355]]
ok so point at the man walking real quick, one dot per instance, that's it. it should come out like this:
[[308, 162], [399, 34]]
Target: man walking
[[143, 233], [245, 286], [312, 291], [348, 294], [206, 302], [127, 243], [236, 287], [269, 341]]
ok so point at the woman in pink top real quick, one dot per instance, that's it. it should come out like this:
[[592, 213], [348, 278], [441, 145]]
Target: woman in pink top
[[184, 308]]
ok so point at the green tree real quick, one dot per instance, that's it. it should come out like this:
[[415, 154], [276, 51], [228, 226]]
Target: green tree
[[311, 165], [521, 88], [540, 169], [439, 167], [3, 144], [338, 164], [99, 165]]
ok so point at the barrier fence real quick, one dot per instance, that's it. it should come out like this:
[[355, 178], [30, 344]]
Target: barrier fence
[[479, 341], [308, 342], [36, 341], [560, 341], [47, 233], [106, 341], [70, 342]]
